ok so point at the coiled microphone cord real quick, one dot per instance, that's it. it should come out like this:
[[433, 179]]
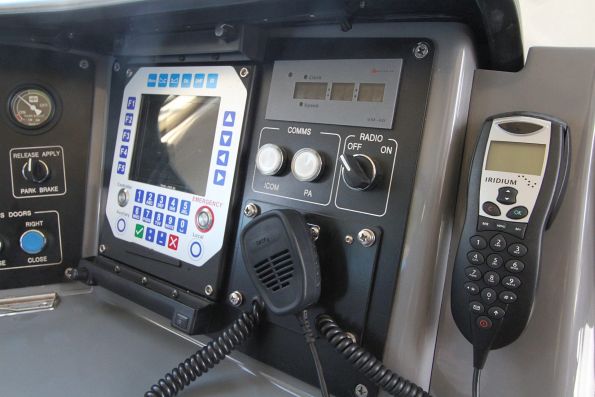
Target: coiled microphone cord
[[209, 356], [365, 362]]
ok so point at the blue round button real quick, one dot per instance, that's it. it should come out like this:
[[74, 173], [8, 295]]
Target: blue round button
[[33, 241], [121, 225], [195, 250]]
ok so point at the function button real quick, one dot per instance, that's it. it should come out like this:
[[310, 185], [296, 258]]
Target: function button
[[161, 199], [475, 258], [158, 219], [511, 282], [476, 307], [170, 222], [150, 199], [514, 266], [517, 212], [306, 165], [185, 207], [147, 215], [495, 261], [204, 219], [32, 242], [182, 225], [478, 242], [136, 212], [485, 224], [496, 312], [123, 197], [501, 226], [471, 288], [491, 208], [488, 295], [270, 159], [517, 250], [507, 195], [498, 242], [172, 204], [491, 278], [484, 322], [507, 297], [517, 229], [139, 195], [472, 273]]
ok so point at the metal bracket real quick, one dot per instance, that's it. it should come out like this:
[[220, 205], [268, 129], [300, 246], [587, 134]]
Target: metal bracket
[[28, 304]]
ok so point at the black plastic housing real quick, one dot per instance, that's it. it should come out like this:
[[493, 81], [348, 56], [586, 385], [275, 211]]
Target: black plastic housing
[[282, 262]]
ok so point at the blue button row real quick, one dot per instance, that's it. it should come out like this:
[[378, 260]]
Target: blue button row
[[159, 219], [186, 80], [161, 201]]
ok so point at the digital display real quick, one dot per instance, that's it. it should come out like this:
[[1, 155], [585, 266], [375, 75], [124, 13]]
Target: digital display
[[342, 91], [174, 141], [307, 90], [370, 92], [516, 157]]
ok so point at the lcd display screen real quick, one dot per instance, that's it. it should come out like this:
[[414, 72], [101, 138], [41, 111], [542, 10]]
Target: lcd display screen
[[516, 157], [307, 90], [174, 141], [371, 92], [342, 91]]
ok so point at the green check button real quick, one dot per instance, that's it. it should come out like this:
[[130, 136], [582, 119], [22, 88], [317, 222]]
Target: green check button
[[139, 231]]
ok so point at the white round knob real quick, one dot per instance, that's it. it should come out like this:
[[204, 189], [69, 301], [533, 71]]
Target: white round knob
[[270, 159], [306, 165]]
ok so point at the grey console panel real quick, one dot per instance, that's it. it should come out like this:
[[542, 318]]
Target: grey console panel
[[554, 356]]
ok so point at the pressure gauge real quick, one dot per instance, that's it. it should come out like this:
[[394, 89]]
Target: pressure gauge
[[32, 108]]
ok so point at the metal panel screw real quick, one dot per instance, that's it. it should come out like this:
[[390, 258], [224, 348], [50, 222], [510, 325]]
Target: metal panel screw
[[209, 290], [361, 390], [174, 293], [84, 64], [314, 231], [236, 298], [102, 248], [421, 50], [116, 269], [144, 281], [129, 73], [349, 239], [366, 237], [117, 66], [251, 210], [244, 72]]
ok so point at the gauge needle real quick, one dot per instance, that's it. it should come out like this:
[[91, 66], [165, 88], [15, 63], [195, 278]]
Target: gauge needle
[[32, 107]]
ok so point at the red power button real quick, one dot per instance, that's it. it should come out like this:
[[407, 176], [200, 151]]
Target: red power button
[[484, 323]]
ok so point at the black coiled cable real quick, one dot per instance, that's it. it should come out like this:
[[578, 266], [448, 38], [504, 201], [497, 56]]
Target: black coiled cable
[[365, 362], [209, 356]]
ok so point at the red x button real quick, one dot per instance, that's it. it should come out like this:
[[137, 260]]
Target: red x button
[[172, 242]]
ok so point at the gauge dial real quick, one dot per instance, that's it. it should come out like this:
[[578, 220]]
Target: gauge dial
[[32, 108]]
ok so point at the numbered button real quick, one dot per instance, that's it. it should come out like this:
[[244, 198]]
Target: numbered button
[[507, 297], [478, 242], [511, 282], [476, 307], [495, 261], [488, 295], [473, 273], [514, 266], [471, 288], [517, 250], [496, 312], [491, 278], [498, 243], [475, 258]]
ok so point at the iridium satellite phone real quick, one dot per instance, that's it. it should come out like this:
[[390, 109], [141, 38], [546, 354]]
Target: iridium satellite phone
[[517, 179]]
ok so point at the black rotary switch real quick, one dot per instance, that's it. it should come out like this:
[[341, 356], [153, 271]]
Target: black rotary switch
[[359, 171], [36, 171]]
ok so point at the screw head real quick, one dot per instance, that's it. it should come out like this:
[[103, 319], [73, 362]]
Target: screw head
[[251, 210], [144, 281], [175, 293], [102, 248], [314, 231], [84, 64], [361, 390], [236, 298], [129, 73], [209, 289], [349, 239], [244, 72], [421, 50], [69, 273], [366, 237], [117, 269], [117, 66]]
